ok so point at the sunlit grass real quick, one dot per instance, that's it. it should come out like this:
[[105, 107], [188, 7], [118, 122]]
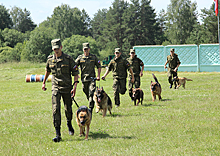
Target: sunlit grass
[[185, 122]]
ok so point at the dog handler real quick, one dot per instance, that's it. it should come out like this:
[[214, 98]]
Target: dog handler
[[174, 63], [87, 63], [119, 67], [135, 63], [62, 66]]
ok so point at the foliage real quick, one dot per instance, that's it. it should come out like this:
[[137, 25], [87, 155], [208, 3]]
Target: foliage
[[124, 25], [12, 37], [73, 45], [5, 20], [181, 19], [67, 21], [22, 20], [38, 47], [185, 122]]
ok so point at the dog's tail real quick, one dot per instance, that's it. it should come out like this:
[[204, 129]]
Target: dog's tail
[[188, 79], [155, 78]]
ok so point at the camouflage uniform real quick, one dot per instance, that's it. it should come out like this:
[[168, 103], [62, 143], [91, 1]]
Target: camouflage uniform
[[135, 63], [87, 65], [61, 68], [173, 62], [119, 67]]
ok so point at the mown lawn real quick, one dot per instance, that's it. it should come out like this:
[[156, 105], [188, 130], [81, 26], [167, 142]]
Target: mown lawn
[[185, 122]]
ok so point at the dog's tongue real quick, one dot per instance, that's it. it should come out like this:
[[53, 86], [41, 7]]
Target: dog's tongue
[[99, 100]]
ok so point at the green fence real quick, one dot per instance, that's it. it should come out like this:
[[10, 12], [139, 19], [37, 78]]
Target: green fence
[[202, 58]]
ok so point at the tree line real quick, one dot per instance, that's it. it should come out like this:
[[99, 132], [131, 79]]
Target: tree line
[[122, 25]]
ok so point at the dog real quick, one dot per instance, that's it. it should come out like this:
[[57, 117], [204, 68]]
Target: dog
[[155, 89], [102, 101], [137, 94], [180, 81], [83, 119]]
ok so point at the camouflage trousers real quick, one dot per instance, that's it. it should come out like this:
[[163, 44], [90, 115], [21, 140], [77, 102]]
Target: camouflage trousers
[[56, 97], [119, 86], [89, 89], [136, 84], [171, 74]]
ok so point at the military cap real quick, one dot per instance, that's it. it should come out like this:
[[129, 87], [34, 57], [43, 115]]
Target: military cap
[[132, 50], [172, 49], [86, 45], [56, 44], [117, 50]]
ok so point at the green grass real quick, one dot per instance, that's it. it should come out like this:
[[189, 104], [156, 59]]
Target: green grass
[[185, 122]]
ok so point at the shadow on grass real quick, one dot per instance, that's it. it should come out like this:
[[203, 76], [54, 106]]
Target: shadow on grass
[[95, 135], [98, 135]]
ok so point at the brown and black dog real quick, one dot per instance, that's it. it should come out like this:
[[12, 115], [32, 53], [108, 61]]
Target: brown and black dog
[[155, 89], [83, 119], [137, 94], [180, 81], [102, 101]]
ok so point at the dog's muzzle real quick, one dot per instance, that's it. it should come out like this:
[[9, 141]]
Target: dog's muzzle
[[83, 122]]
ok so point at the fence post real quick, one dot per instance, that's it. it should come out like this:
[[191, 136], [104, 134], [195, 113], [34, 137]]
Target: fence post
[[198, 60]]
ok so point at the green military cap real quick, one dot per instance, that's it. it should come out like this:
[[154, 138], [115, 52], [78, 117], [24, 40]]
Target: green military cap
[[132, 50], [86, 45], [117, 50], [172, 49], [56, 44]]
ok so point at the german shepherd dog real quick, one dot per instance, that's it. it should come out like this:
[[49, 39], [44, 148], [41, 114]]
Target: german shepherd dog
[[155, 89], [102, 101], [83, 119], [180, 81], [137, 94]]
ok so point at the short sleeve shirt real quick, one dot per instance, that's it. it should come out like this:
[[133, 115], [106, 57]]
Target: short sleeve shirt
[[119, 67], [135, 63], [87, 65], [62, 68], [173, 61]]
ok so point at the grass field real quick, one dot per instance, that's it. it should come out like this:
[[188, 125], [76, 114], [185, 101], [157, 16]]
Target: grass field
[[185, 122]]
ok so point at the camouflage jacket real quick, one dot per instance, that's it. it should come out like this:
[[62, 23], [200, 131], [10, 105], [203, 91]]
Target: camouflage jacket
[[87, 65], [135, 63], [119, 67], [173, 61], [62, 68]]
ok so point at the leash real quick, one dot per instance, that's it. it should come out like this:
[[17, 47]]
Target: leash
[[73, 97]]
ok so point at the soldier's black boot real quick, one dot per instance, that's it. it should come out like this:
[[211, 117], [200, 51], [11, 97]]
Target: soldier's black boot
[[171, 86], [58, 135], [70, 127]]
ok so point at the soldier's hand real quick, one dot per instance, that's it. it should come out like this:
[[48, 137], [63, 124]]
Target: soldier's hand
[[103, 78], [43, 87], [165, 67], [97, 78], [141, 74]]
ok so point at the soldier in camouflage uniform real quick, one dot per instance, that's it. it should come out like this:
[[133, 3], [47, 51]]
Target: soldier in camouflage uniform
[[87, 63], [119, 67], [62, 66], [174, 63], [135, 63]]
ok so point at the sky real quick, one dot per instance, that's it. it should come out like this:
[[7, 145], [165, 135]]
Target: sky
[[41, 9]]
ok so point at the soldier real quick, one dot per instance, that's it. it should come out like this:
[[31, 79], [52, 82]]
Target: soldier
[[62, 66], [119, 67], [174, 63], [135, 63], [87, 63]]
